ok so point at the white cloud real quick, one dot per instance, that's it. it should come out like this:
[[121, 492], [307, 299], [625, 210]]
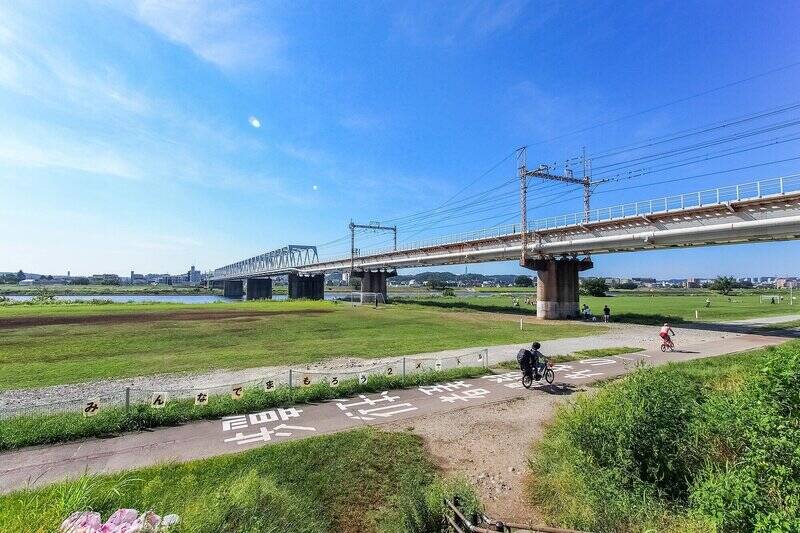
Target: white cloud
[[35, 68], [231, 34], [254, 122], [465, 22], [82, 157]]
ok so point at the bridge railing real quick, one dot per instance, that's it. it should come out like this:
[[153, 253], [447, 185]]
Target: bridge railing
[[710, 197]]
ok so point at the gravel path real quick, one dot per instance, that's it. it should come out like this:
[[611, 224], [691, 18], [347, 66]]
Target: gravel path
[[617, 335]]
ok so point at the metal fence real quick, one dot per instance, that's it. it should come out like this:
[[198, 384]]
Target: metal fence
[[767, 188], [291, 377]]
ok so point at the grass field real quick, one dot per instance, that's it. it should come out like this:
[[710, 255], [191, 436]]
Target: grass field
[[44, 345], [359, 481], [640, 308]]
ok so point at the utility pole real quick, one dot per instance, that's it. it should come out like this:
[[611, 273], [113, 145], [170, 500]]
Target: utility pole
[[543, 172], [587, 184], [522, 154], [375, 226]]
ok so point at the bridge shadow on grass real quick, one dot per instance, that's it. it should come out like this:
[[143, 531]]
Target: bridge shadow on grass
[[461, 304], [646, 319]]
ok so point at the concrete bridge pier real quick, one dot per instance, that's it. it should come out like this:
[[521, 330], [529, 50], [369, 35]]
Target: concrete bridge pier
[[311, 287], [557, 290], [257, 289], [375, 281], [232, 288]]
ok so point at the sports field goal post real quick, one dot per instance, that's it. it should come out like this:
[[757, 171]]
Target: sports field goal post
[[772, 298], [367, 298]]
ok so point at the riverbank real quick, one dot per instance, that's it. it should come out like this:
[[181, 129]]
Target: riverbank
[[92, 290]]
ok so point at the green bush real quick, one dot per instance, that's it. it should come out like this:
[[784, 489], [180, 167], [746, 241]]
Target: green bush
[[692, 447]]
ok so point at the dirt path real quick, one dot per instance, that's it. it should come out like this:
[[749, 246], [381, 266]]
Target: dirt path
[[489, 446]]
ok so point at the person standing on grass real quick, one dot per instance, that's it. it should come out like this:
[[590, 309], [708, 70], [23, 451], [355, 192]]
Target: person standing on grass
[[606, 314]]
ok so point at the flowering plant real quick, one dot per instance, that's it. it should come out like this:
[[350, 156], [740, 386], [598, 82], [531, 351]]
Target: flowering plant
[[122, 521]]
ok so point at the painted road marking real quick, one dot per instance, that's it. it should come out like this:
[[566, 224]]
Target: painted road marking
[[583, 374], [265, 435], [598, 362], [370, 414], [230, 423], [505, 378], [443, 387], [465, 395]]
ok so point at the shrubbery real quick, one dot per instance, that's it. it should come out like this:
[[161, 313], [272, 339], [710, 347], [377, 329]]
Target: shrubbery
[[674, 449]]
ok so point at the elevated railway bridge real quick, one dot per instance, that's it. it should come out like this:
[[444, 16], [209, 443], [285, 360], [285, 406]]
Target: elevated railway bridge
[[557, 248]]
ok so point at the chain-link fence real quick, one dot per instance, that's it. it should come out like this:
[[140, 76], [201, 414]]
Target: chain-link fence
[[126, 397]]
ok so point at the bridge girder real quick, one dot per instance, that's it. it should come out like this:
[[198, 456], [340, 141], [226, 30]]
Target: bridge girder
[[281, 261]]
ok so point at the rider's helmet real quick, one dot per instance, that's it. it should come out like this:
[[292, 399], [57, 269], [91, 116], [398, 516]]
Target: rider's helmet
[[536, 345]]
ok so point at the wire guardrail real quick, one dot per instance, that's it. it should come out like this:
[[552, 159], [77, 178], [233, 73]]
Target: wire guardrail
[[128, 397], [767, 188]]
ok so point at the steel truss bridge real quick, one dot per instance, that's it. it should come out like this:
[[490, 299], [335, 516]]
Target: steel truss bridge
[[767, 210], [282, 261]]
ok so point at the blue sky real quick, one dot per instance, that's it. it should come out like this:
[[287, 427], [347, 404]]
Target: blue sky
[[127, 140]]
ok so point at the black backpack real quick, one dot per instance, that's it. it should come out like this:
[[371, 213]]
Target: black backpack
[[524, 358]]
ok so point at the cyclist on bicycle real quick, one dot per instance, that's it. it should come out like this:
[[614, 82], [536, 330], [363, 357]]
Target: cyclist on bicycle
[[665, 332], [529, 361]]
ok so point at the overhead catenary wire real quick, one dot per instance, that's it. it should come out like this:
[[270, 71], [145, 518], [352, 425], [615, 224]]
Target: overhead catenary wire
[[669, 104]]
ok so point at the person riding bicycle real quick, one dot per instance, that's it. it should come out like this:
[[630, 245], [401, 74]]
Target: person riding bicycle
[[529, 360], [665, 332]]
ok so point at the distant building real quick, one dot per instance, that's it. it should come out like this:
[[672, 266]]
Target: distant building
[[107, 279], [692, 283], [194, 277]]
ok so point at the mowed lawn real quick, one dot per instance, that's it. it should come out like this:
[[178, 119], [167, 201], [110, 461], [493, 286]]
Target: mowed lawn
[[54, 344], [638, 308], [644, 308]]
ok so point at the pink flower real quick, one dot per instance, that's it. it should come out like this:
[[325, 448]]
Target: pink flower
[[122, 516], [82, 522]]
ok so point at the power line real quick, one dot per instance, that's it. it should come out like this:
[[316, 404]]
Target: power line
[[668, 104], [682, 134], [699, 146]]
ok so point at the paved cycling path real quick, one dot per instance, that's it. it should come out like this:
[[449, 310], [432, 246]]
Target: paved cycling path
[[44, 464]]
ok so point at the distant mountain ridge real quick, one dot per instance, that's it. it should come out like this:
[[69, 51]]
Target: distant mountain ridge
[[449, 276]]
